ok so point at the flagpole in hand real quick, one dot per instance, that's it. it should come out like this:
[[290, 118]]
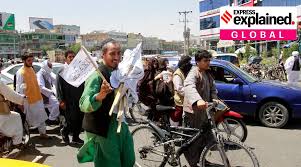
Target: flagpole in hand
[[94, 65]]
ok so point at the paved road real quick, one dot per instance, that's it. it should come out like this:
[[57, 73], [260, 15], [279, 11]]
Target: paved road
[[273, 147]]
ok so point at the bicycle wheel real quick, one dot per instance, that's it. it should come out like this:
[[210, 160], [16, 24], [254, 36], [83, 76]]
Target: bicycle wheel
[[238, 155], [146, 151], [233, 127]]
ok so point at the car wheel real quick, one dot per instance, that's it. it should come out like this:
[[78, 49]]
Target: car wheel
[[273, 114]]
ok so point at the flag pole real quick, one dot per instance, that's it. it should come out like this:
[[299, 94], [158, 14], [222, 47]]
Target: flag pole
[[94, 65]]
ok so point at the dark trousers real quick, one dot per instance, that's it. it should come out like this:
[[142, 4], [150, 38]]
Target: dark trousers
[[197, 120], [74, 119]]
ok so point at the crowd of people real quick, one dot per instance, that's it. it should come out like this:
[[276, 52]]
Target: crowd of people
[[188, 89]]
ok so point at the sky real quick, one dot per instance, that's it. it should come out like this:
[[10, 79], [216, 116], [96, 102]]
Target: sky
[[151, 18]]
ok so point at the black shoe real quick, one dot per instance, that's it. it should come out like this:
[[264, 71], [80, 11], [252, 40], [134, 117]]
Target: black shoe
[[18, 146], [65, 136], [77, 140], [52, 122]]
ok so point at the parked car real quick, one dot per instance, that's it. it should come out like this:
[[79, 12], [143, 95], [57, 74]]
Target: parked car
[[12, 70], [7, 81], [231, 57], [272, 102]]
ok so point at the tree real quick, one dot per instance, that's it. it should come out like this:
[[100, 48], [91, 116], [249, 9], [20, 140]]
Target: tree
[[287, 52], [248, 52], [230, 49], [45, 48], [191, 51], [75, 47]]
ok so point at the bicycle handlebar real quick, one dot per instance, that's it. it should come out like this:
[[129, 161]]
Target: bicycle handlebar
[[212, 105]]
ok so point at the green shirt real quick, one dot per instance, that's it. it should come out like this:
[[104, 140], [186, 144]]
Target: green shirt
[[88, 102]]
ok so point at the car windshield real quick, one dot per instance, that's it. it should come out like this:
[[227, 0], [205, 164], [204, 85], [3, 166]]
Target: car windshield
[[226, 58], [243, 73]]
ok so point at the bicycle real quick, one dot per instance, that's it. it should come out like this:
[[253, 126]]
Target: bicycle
[[162, 148]]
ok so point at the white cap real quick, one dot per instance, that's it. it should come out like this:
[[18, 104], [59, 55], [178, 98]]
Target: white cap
[[295, 53]]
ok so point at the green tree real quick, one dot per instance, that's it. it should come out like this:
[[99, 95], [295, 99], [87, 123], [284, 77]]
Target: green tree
[[45, 48], [248, 52], [75, 47], [230, 50], [275, 52], [287, 52], [191, 51]]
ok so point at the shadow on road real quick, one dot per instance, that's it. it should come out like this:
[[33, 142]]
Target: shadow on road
[[53, 141], [30, 154]]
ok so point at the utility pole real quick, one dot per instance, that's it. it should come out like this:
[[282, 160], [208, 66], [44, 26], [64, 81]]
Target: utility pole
[[186, 33]]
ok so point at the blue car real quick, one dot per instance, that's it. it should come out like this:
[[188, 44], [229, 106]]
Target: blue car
[[272, 102]]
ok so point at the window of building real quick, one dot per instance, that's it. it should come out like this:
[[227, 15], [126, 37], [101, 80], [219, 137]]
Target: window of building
[[207, 5], [281, 2], [240, 2], [210, 22]]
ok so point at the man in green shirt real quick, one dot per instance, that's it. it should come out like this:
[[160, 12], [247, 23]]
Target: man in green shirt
[[103, 145]]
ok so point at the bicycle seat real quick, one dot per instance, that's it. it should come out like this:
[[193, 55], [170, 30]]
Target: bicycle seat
[[164, 108]]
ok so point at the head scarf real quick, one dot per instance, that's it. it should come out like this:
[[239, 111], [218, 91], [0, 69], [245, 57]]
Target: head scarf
[[185, 64], [162, 64], [295, 53], [46, 68]]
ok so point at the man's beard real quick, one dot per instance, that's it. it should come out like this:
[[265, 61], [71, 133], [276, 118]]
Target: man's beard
[[28, 65]]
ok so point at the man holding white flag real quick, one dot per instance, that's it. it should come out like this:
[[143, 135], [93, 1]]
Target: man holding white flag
[[103, 145], [69, 91]]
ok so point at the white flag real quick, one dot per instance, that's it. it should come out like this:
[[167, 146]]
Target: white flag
[[79, 69], [129, 71]]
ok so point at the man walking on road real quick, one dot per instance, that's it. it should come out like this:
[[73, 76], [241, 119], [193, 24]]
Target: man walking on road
[[292, 67], [103, 145], [68, 97], [46, 82], [199, 89], [27, 84]]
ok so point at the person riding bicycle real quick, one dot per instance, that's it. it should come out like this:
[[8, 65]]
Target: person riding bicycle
[[199, 89], [10, 121]]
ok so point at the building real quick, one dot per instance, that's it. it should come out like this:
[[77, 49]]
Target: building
[[171, 46], [71, 33], [195, 41], [40, 42], [120, 37], [133, 40], [93, 39], [151, 45], [9, 44]]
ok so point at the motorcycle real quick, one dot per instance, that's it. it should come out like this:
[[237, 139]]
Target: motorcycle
[[230, 124]]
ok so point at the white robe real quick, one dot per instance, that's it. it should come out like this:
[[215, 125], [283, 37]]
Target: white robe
[[293, 77], [35, 113], [53, 105], [11, 124]]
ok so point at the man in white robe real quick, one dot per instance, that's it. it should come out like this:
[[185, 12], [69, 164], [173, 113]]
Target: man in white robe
[[10, 121], [27, 84], [292, 67], [46, 82]]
